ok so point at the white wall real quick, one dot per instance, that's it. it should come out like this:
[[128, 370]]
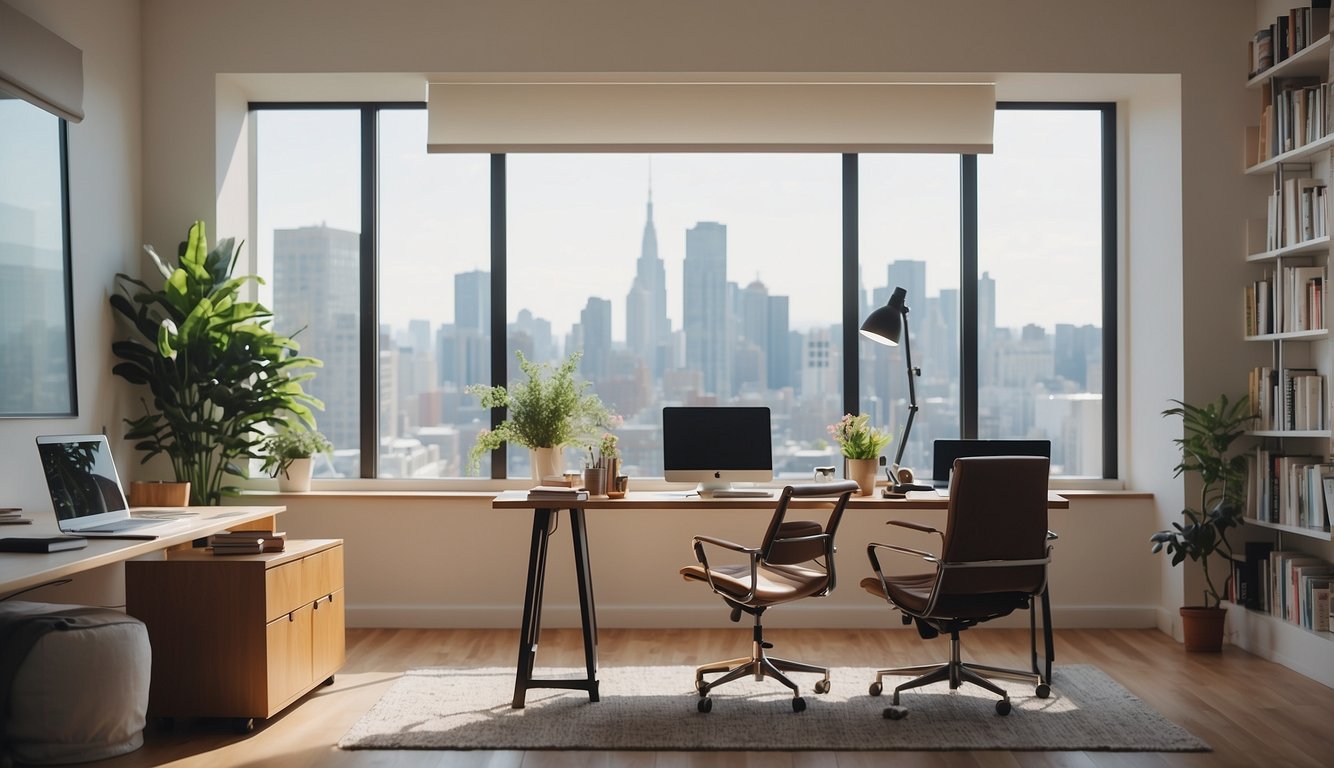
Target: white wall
[[1182, 207]]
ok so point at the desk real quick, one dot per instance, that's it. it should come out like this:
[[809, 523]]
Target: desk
[[545, 517], [20, 570]]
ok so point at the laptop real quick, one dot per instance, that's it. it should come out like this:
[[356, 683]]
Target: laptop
[[86, 492], [944, 452]]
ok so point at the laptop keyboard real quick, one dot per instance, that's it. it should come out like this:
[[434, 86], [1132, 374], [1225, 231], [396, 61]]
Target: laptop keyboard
[[120, 525]]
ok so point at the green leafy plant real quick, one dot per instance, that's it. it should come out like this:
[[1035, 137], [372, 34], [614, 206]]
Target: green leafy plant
[[286, 445], [1206, 443], [215, 369], [551, 409], [857, 439]]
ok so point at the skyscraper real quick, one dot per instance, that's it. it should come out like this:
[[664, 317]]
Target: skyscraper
[[472, 326], [706, 319], [595, 322], [647, 329]]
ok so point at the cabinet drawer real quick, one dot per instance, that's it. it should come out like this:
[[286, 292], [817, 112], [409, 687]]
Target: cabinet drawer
[[289, 639], [323, 573], [284, 589]]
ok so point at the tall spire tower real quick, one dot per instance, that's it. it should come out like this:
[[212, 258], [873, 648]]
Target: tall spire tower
[[647, 329]]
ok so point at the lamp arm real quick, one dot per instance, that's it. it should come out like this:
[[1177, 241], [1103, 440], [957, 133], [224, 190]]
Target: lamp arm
[[912, 394]]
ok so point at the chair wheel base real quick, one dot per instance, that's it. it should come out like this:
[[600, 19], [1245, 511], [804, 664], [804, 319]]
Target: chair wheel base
[[876, 689], [895, 712], [822, 686], [798, 704], [705, 705], [1003, 707], [1043, 691]]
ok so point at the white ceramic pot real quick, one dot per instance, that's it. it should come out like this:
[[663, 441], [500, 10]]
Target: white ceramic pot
[[296, 478], [546, 462]]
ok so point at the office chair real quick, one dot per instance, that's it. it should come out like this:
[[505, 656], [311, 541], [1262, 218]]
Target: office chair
[[794, 561], [993, 560]]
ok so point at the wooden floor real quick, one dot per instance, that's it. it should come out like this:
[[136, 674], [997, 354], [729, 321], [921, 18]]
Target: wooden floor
[[1251, 711]]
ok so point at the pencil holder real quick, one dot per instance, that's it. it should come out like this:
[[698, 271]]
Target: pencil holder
[[595, 481]]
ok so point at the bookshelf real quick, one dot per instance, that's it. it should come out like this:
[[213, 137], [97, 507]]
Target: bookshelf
[[1288, 251]]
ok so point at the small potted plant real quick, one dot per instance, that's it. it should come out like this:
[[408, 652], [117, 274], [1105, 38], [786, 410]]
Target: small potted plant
[[861, 445], [1208, 434], [545, 413], [289, 454]]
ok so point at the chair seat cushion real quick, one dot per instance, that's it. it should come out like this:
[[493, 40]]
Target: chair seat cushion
[[775, 583], [912, 593]]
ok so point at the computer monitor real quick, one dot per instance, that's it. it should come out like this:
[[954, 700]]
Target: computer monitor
[[944, 452], [717, 446]]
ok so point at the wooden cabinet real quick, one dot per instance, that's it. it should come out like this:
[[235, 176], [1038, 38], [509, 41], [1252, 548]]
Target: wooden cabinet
[[239, 636]]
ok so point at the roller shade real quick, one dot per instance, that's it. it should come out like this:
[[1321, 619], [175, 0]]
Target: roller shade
[[710, 117], [39, 66]]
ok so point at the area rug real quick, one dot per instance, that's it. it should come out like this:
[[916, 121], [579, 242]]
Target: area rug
[[653, 708]]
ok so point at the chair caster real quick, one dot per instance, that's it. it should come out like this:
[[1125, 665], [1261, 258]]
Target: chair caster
[[704, 705], [822, 686], [876, 689], [798, 704], [1003, 707], [896, 712], [1043, 690]]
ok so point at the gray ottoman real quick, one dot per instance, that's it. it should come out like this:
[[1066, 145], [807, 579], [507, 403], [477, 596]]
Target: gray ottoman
[[73, 683]]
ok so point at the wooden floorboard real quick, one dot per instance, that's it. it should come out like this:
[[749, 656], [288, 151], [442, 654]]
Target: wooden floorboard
[[1253, 712]]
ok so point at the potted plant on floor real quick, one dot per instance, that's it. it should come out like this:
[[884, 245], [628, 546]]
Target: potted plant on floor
[[545, 413], [215, 369], [1206, 450], [289, 456], [861, 445]]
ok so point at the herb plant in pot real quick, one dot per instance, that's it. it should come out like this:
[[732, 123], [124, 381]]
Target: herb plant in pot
[[290, 457], [1206, 450], [549, 410], [214, 368], [861, 445]]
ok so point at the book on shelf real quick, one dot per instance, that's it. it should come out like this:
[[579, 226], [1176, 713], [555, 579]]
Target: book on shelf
[[41, 543], [13, 516]]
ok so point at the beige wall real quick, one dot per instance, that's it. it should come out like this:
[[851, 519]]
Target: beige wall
[[1176, 68]]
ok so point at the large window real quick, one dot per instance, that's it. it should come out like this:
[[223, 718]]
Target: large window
[[685, 279]]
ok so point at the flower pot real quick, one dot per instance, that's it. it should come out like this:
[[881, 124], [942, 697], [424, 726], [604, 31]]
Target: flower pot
[[546, 462], [863, 471], [296, 478], [1203, 628]]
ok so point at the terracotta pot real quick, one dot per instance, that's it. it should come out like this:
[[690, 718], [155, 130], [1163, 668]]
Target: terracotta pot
[[862, 471], [1203, 628]]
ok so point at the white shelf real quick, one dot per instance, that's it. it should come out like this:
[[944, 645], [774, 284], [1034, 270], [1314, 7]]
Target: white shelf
[[1288, 433], [1304, 152], [1318, 333], [1306, 247], [1307, 652], [1311, 60], [1310, 533]]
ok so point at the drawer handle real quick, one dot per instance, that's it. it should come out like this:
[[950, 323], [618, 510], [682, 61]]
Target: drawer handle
[[326, 597], [291, 616]]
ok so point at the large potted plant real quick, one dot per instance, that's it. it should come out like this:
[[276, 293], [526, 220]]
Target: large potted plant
[[1208, 433], [215, 369], [550, 410]]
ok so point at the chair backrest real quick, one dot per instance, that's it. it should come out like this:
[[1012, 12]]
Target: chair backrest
[[813, 539], [997, 511]]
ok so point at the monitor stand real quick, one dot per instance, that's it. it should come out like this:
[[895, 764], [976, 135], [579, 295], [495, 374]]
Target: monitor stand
[[726, 491]]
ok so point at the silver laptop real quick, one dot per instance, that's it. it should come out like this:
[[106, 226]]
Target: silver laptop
[[86, 491]]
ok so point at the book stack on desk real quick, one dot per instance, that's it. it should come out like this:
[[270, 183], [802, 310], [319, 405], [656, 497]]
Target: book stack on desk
[[247, 542], [13, 516], [557, 493]]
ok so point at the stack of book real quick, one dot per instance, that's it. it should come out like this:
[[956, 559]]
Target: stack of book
[[247, 542], [557, 493], [13, 516]]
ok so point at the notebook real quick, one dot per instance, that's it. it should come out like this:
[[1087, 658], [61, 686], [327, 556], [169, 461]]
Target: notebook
[[86, 492]]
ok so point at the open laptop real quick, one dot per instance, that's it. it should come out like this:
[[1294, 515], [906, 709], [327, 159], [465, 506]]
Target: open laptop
[[86, 491], [944, 452]]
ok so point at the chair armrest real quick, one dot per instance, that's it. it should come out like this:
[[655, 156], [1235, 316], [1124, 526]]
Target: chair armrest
[[752, 553], [875, 561], [912, 526], [725, 544]]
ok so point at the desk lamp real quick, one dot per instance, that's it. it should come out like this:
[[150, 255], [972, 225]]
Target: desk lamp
[[887, 325]]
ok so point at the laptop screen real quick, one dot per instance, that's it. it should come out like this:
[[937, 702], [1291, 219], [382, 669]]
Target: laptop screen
[[81, 476], [944, 452]]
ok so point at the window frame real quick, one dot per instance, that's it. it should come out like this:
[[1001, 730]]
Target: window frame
[[968, 276]]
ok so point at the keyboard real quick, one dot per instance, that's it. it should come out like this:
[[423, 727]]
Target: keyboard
[[743, 493]]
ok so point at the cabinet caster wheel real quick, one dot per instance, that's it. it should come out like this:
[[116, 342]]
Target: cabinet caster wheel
[[896, 712], [243, 724], [1043, 690], [876, 689], [822, 686], [1003, 707], [704, 705], [798, 704], [328, 680]]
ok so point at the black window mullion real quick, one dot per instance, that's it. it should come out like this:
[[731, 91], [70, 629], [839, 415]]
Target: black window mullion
[[369, 347], [851, 287], [499, 367], [1109, 248], [968, 312]]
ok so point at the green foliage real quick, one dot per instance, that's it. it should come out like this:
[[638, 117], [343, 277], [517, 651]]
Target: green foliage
[[1208, 434], [549, 410], [214, 368], [283, 446], [857, 438]]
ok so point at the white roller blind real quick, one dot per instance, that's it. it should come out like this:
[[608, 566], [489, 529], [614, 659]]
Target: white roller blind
[[39, 66], [710, 117]]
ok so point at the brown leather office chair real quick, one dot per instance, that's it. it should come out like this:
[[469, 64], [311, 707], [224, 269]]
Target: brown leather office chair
[[993, 560], [795, 560]]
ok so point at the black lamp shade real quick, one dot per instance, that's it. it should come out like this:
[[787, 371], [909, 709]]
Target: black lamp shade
[[885, 325]]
